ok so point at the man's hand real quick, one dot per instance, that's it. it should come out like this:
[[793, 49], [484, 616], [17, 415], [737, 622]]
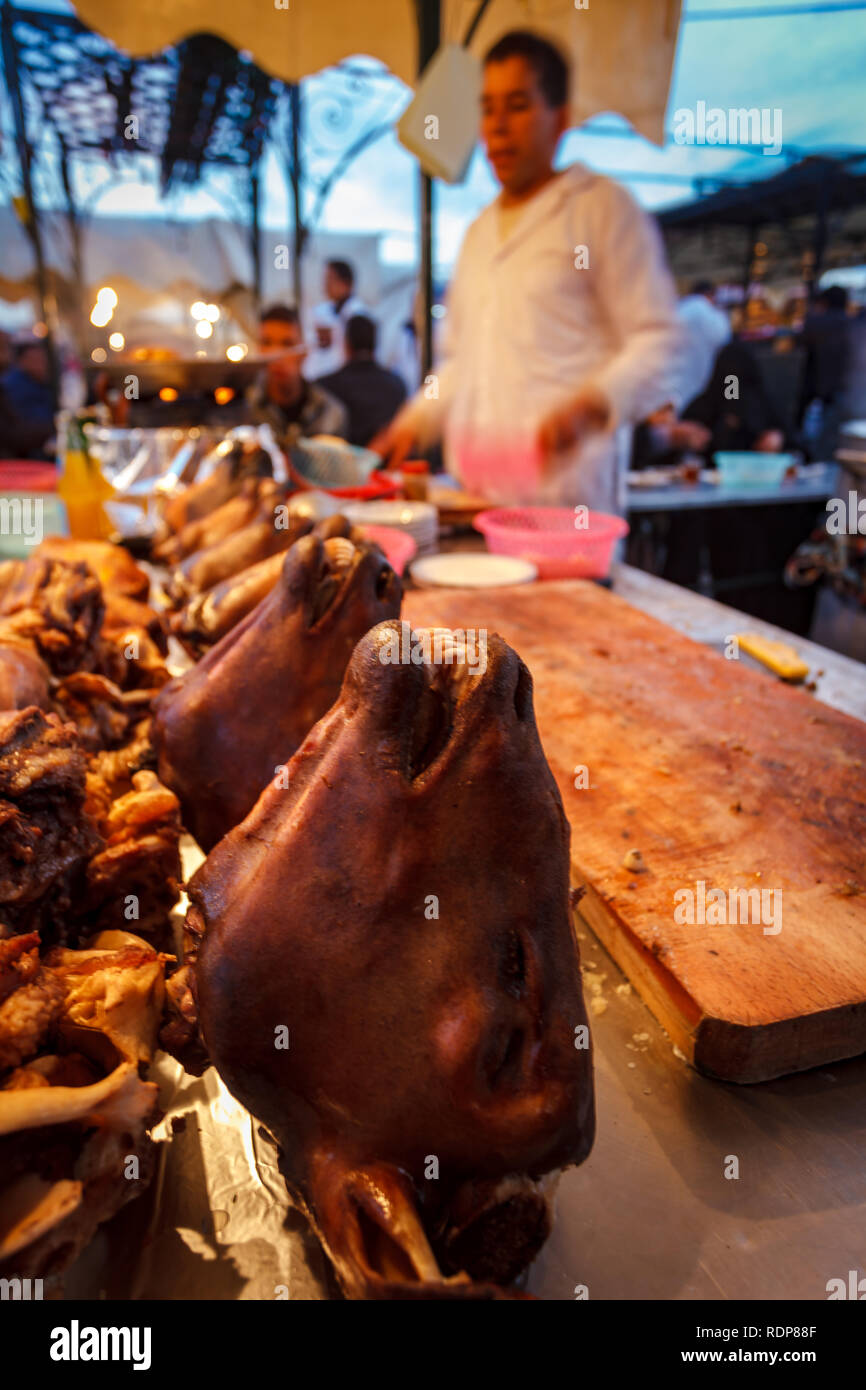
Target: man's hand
[[585, 414], [394, 443], [770, 442], [689, 434]]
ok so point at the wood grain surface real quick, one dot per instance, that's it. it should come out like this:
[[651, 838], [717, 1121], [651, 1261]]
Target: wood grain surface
[[719, 775]]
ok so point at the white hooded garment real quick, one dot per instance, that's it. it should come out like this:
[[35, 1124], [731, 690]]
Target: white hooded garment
[[577, 293]]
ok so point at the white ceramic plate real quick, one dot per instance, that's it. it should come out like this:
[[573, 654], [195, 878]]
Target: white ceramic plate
[[408, 516], [472, 571]]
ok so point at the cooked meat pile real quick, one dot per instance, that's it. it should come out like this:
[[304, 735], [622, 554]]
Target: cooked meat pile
[[88, 836], [60, 614], [46, 839], [88, 848], [379, 955], [75, 1029], [85, 843], [224, 728], [386, 975]]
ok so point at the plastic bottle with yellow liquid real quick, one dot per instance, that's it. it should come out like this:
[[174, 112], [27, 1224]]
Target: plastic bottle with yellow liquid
[[83, 488]]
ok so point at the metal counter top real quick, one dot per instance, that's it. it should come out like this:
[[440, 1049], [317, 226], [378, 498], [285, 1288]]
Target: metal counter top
[[815, 484], [651, 1213]]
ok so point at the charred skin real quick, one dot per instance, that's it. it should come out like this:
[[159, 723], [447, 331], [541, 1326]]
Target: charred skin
[[411, 1035], [24, 678], [257, 538], [223, 728], [209, 616], [209, 529], [200, 499]]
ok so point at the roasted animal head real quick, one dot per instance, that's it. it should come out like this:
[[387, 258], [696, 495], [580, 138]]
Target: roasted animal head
[[222, 729], [388, 976]]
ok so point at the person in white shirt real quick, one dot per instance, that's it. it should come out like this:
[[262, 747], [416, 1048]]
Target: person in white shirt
[[708, 329], [331, 317], [561, 317]]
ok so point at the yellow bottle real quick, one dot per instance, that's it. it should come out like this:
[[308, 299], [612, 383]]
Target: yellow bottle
[[83, 489]]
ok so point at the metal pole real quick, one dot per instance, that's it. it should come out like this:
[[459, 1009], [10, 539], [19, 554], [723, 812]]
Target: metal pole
[[25, 156], [297, 197], [77, 259], [819, 241], [255, 236], [429, 23], [747, 271]]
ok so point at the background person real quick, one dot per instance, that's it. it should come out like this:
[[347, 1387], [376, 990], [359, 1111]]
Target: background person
[[827, 340], [282, 397], [18, 439], [708, 329], [371, 394], [330, 319], [724, 417], [748, 421], [28, 398], [561, 318]]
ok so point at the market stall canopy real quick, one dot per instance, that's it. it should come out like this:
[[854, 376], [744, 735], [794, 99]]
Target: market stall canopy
[[98, 101], [792, 212], [813, 185], [159, 266], [623, 52]]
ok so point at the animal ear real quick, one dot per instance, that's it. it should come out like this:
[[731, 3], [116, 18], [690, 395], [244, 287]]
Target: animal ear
[[368, 1219]]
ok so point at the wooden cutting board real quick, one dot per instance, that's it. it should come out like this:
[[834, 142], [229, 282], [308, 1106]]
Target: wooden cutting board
[[719, 775]]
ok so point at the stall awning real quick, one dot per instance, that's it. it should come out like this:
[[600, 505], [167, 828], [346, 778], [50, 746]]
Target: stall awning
[[623, 51], [834, 184]]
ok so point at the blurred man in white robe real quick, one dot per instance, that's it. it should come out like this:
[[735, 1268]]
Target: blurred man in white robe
[[561, 327]]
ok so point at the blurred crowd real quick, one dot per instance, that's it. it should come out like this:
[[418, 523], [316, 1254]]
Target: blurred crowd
[[26, 398], [336, 386], [731, 406]]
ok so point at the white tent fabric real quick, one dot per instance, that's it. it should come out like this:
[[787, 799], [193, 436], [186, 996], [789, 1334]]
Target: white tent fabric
[[158, 267], [623, 49]]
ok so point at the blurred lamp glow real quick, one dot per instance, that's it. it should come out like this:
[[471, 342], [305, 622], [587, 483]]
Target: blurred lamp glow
[[199, 309], [211, 312], [237, 352], [100, 315], [168, 393], [116, 341], [203, 328], [98, 355], [107, 296]]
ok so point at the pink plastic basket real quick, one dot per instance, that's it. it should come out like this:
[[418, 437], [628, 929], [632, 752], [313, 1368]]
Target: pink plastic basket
[[399, 547], [562, 542]]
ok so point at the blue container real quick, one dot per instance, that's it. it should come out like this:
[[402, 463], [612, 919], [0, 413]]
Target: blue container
[[752, 469]]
